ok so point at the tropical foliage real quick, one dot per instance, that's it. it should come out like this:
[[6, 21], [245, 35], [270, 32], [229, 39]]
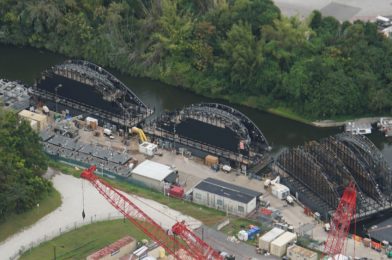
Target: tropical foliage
[[22, 164], [242, 50]]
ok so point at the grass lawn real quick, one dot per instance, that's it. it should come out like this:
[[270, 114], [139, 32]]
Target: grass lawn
[[237, 224], [17, 222], [207, 215], [289, 114], [81, 242], [65, 168]]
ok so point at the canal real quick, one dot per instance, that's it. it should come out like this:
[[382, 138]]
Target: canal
[[26, 64]]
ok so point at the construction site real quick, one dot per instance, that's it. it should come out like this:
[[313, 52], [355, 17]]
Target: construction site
[[217, 129], [213, 155]]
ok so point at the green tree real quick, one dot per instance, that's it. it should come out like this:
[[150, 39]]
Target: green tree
[[243, 57], [22, 164]]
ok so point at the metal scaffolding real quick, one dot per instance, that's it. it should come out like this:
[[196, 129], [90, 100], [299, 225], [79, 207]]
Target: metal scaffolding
[[133, 110], [323, 169], [255, 146]]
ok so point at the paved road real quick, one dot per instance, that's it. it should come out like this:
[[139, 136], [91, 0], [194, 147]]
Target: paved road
[[219, 241], [95, 207], [341, 9]]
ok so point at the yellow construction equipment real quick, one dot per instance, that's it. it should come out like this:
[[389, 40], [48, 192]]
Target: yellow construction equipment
[[140, 132]]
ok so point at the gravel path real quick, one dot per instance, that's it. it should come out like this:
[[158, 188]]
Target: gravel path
[[96, 208]]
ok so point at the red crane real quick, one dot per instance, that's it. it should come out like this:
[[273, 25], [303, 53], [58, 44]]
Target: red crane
[[180, 241], [340, 222]]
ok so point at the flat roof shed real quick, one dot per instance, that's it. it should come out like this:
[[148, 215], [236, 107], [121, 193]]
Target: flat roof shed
[[153, 174], [227, 190], [225, 196]]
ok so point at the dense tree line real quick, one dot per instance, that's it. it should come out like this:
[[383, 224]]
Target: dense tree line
[[22, 163], [242, 50]]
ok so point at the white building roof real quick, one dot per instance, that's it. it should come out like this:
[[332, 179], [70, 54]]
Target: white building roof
[[272, 234], [32, 115], [148, 145], [287, 237], [280, 187], [153, 170]]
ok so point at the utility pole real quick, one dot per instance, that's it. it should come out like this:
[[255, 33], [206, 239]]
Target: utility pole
[[55, 90], [174, 137]]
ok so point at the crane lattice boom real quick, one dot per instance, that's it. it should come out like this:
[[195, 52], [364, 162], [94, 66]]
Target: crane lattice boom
[[340, 222], [193, 248]]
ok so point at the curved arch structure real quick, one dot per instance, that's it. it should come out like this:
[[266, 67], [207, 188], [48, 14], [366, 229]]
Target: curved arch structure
[[89, 89], [101, 77], [323, 170], [231, 118], [216, 129]]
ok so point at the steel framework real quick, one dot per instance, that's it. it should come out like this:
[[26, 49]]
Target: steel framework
[[323, 170], [182, 244], [131, 109], [241, 122], [340, 222], [254, 155], [97, 76]]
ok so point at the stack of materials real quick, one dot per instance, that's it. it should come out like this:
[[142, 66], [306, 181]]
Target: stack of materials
[[211, 160], [91, 123]]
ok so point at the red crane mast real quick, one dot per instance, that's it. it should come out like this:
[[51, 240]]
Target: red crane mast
[[340, 222], [189, 246]]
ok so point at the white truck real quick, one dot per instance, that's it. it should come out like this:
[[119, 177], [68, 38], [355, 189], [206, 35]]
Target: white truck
[[267, 183], [226, 168], [108, 133], [290, 200]]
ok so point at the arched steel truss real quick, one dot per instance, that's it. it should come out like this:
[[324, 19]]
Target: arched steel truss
[[293, 161], [252, 157], [325, 168], [100, 78], [226, 116], [128, 110], [371, 157]]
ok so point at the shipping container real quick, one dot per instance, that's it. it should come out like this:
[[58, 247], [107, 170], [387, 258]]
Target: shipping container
[[267, 238], [279, 245]]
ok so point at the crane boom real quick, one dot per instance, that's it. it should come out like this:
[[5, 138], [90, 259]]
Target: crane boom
[[193, 248], [340, 222]]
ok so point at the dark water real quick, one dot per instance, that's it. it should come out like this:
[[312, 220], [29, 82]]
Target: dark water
[[26, 64]]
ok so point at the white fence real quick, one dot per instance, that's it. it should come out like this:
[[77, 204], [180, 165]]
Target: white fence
[[62, 230]]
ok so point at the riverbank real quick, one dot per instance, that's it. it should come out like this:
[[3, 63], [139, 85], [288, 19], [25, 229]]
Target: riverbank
[[44, 58], [332, 123]]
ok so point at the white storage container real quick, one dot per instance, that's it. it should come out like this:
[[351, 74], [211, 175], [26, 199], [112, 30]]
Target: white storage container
[[279, 245], [267, 238], [148, 148], [280, 191]]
